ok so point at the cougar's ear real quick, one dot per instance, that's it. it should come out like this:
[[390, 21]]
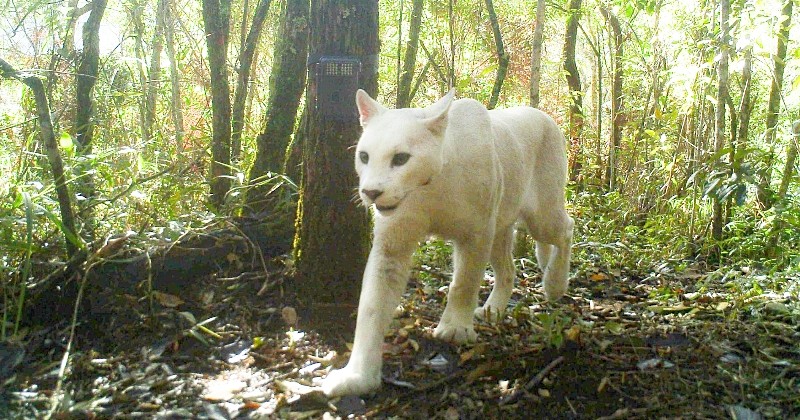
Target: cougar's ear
[[438, 113], [368, 108]]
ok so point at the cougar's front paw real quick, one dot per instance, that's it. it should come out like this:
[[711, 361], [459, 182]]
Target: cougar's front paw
[[346, 381], [489, 313], [458, 334]]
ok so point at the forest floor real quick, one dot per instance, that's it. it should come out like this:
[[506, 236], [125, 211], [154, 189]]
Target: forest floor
[[651, 344]]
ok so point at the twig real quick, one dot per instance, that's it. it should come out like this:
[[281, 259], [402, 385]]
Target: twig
[[536, 380]]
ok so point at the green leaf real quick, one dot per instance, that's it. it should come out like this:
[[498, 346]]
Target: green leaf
[[65, 141]]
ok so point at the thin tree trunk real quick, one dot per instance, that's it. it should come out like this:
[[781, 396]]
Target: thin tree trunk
[[85, 79], [216, 18], [764, 196], [575, 89], [502, 57], [404, 96], [53, 154], [331, 226], [286, 86], [745, 108], [788, 174], [245, 66], [174, 75], [717, 218], [791, 159], [136, 12], [536, 52], [616, 99], [154, 75]]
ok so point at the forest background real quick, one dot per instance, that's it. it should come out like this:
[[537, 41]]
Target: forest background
[[679, 117]]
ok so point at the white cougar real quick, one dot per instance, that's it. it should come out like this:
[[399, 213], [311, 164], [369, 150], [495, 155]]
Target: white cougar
[[465, 174]]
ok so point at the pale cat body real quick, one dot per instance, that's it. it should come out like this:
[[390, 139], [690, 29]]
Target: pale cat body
[[460, 172]]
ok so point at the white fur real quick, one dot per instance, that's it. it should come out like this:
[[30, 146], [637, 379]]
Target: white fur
[[471, 175]]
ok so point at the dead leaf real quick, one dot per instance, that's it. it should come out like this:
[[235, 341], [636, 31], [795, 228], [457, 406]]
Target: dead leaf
[[167, 300], [476, 351], [599, 276], [573, 333], [289, 316]]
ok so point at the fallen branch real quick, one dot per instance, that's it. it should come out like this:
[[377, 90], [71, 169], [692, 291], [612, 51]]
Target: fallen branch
[[536, 380]]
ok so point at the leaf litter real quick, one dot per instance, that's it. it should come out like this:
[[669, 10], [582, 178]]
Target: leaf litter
[[614, 348]]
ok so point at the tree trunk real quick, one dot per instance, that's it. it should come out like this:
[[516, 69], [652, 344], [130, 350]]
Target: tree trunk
[[745, 108], [332, 240], [502, 57], [788, 174], [616, 100], [765, 195], [85, 79], [575, 89], [154, 74], [286, 85], [174, 75], [216, 18], [536, 53], [53, 155], [717, 218], [404, 96], [136, 12], [246, 55], [791, 159]]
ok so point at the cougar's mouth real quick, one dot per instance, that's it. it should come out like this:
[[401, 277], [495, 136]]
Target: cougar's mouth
[[383, 209]]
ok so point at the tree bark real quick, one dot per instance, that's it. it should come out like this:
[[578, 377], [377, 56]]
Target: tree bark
[[248, 51], [154, 74], [53, 155], [765, 194], [286, 86], [536, 52], [332, 240], [575, 89], [404, 95], [174, 75], [216, 19], [788, 174], [502, 57], [86, 77], [717, 219], [616, 99]]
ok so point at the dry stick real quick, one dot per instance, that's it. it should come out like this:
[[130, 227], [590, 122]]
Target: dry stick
[[536, 380]]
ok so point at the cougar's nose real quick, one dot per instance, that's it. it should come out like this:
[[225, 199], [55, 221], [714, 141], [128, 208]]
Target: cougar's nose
[[372, 194]]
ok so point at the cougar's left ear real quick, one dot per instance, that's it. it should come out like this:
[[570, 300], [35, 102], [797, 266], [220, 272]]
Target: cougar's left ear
[[437, 121], [368, 108]]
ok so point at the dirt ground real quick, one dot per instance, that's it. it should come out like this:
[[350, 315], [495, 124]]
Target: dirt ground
[[620, 345]]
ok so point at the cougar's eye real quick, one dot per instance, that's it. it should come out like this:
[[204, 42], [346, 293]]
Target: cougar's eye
[[400, 159], [364, 157]]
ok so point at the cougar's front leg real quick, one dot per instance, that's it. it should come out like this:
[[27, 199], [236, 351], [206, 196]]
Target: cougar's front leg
[[385, 279], [469, 261]]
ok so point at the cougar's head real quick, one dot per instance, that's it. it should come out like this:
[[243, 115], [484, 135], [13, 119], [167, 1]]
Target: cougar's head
[[400, 150]]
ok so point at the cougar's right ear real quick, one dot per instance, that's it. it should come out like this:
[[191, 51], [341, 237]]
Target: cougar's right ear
[[368, 108]]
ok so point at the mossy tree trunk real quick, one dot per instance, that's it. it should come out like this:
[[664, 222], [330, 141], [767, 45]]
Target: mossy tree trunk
[[404, 95], [502, 57], [246, 58], [616, 99], [332, 239], [765, 194], [85, 79], [717, 219], [216, 18], [575, 89], [286, 86]]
